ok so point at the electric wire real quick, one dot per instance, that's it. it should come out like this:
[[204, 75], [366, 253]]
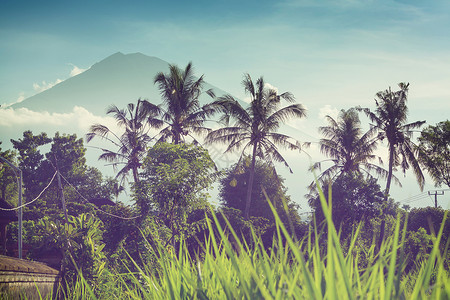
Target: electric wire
[[415, 198], [421, 196], [430, 198], [95, 207], [84, 198], [88, 202], [40, 194]]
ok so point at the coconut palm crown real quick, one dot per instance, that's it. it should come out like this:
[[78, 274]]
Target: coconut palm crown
[[349, 149], [181, 111], [136, 120], [254, 128], [389, 120]]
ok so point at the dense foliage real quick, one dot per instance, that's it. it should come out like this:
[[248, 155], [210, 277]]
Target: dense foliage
[[174, 180], [181, 111], [390, 122], [268, 187], [355, 199], [434, 152], [255, 128], [7, 175], [167, 241], [348, 148]]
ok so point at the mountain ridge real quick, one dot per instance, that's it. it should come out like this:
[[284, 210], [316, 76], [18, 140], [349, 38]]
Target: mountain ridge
[[117, 79]]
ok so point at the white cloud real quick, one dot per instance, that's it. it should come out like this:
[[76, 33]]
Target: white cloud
[[247, 99], [45, 86], [10, 117], [19, 99], [433, 89], [79, 116], [328, 110], [40, 87], [270, 87], [297, 123], [267, 86], [76, 70]]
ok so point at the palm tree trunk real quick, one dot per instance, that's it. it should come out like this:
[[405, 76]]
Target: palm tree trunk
[[135, 175], [390, 170], [386, 196], [250, 184]]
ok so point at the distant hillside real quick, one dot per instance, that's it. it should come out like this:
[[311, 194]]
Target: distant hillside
[[118, 79]]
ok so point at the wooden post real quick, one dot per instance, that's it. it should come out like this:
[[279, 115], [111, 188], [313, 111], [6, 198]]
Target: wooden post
[[20, 217], [62, 194], [435, 193]]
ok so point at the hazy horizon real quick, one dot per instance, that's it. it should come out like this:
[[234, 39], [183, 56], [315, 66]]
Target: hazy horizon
[[330, 54]]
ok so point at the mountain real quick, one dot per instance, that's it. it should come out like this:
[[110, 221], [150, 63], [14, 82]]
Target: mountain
[[118, 79], [121, 79]]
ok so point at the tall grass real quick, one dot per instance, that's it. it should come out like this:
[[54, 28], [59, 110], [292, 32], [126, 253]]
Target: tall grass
[[290, 269]]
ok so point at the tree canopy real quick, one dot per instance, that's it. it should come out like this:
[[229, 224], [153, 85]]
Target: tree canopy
[[234, 184], [30, 160], [349, 149], [354, 198], [389, 120], [67, 154], [135, 121], [175, 180], [7, 175], [255, 127], [434, 152], [181, 111], [177, 174]]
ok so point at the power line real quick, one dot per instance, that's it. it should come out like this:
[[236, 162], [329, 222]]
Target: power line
[[429, 196], [414, 198], [417, 199], [40, 194], [95, 207], [425, 195], [84, 198]]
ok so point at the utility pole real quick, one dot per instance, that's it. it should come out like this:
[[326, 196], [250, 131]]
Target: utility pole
[[435, 193], [20, 219], [62, 192]]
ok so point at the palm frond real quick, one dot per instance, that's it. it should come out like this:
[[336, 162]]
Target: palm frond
[[284, 114], [284, 141]]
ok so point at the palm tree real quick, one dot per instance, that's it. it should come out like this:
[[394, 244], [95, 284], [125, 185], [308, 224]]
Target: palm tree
[[390, 122], [117, 188], [136, 121], [348, 148], [181, 111], [255, 126], [434, 152]]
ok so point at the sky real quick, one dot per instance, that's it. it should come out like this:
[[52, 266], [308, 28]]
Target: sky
[[329, 54]]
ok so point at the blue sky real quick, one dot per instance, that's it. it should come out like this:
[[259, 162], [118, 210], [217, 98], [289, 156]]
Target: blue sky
[[287, 41], [297, 42], [329, 54]]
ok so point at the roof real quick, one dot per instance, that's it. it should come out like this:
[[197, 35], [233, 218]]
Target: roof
[[8, 263]]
